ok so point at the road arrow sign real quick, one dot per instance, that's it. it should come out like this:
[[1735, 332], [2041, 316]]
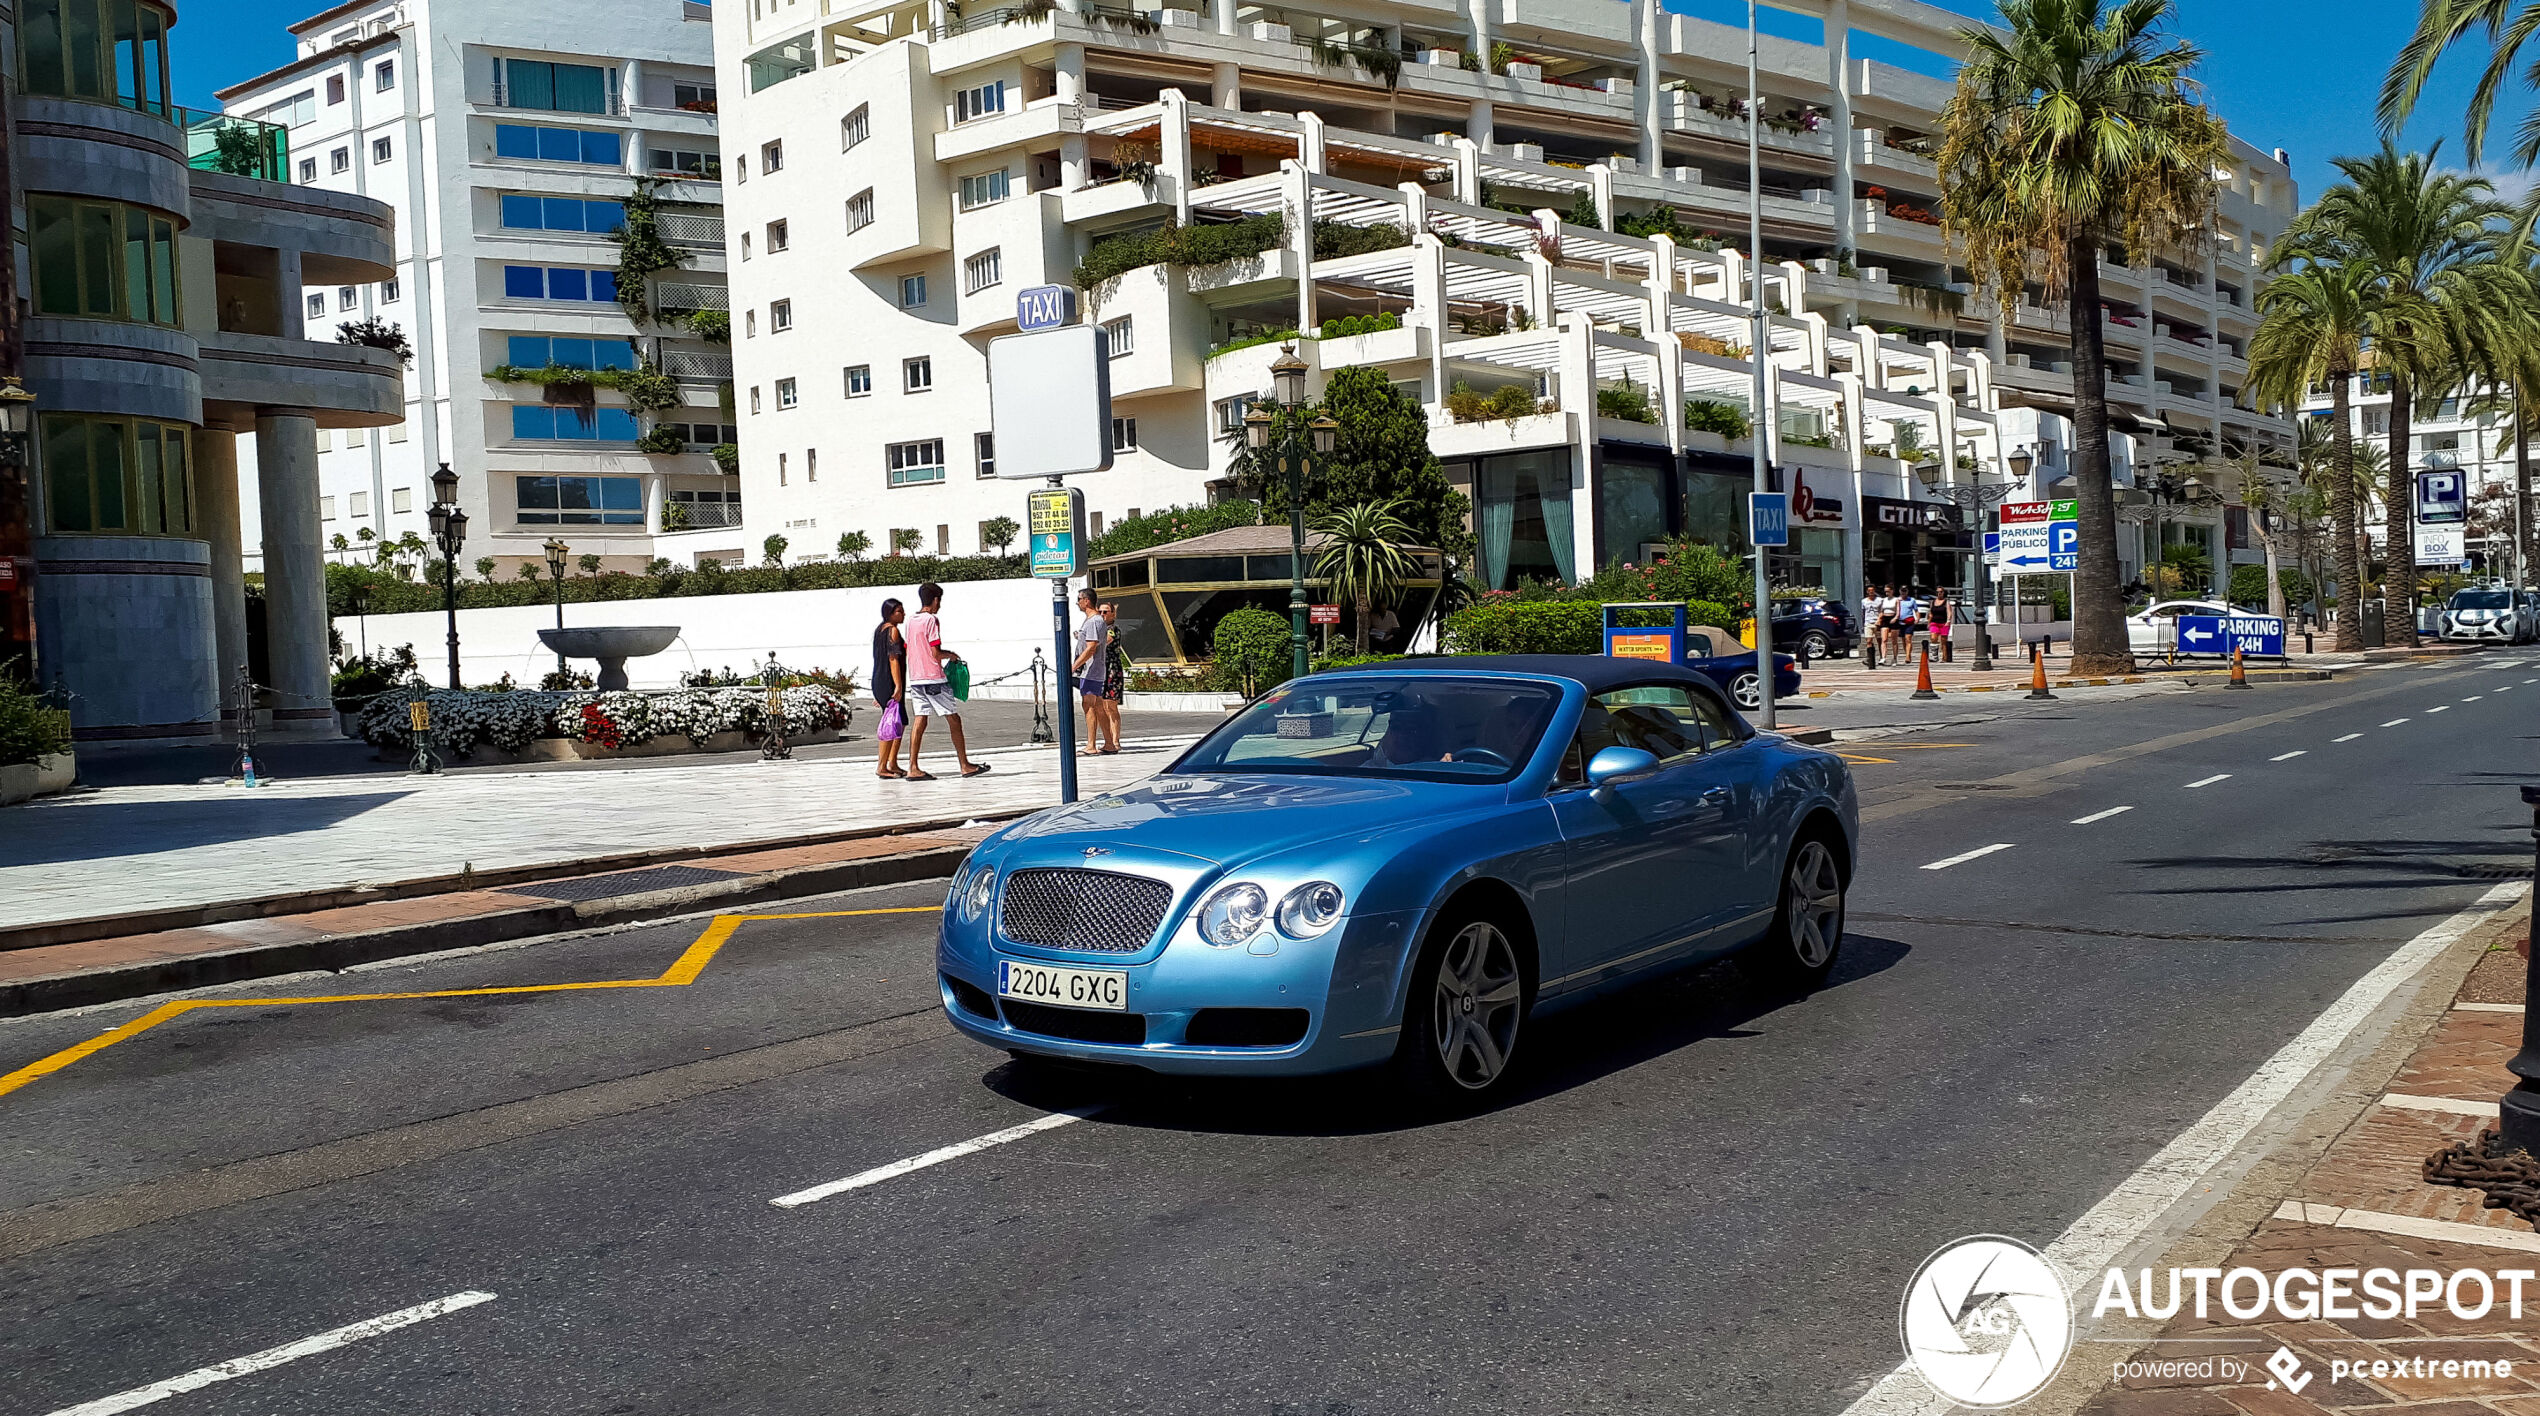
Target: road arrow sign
[[2020, 563]]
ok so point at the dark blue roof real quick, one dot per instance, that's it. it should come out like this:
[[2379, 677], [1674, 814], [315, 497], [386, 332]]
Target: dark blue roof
[[1595, 672]]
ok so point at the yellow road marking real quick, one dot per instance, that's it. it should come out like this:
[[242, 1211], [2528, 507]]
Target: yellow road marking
[[1848, 757], [683, 971]]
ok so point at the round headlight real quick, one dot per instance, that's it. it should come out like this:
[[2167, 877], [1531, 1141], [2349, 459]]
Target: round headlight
[[976, 892], [1233, 915], [1310, 909]]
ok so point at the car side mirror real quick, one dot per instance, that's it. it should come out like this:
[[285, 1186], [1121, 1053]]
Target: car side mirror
[[1619, 764]]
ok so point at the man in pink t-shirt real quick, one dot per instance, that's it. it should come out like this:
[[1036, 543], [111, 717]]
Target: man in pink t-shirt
[[929, 683]]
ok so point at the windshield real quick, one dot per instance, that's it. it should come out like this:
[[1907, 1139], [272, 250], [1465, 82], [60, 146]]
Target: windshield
[[1444, 729], [2481, 600]]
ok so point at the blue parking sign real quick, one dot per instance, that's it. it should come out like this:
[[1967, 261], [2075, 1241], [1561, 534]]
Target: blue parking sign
[[1768, 518], [2255, 636], [2063, 545]]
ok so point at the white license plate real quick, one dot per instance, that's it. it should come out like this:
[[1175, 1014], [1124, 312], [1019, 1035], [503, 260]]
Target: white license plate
[[1106, 989]]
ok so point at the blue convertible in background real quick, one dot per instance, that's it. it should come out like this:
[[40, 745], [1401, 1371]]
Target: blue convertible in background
[[1402, 864]]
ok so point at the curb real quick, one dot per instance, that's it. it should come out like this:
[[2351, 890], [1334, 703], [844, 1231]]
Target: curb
[[337, 952]]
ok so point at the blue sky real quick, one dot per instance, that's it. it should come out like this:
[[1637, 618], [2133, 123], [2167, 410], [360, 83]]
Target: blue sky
[[2296, 74]]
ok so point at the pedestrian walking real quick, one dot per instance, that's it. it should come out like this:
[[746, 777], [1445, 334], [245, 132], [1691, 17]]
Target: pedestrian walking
[[930, 690], [1890, 606], [1870, 645], [1909, 623], [1941, 611], [1090, 667], [890, 688], [1116, 682]]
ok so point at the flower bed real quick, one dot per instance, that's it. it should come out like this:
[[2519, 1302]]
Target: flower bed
[[618, 720]]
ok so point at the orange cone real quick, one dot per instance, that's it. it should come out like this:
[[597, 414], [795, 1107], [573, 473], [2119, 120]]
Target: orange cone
[[1922, 680], [2037, 675], [2239, 675]]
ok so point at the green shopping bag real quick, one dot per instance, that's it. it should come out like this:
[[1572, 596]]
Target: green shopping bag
[[957, 673]]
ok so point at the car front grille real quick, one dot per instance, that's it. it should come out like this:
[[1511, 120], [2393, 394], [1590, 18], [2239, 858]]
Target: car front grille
[[1095, 910]]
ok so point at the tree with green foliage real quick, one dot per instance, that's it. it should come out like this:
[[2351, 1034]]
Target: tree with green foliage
[[2311, 330], [853, 545], [1380, 454], [590, 563], [1363, 557], [904, 541], [485, 568], [1000, 531], [774, 547], [1249, 651]]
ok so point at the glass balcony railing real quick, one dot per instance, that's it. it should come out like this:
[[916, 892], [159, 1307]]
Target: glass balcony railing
[[241, 147]]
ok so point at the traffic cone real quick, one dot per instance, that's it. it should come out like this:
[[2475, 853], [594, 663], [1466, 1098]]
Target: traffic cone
[[1922, 680], [2037, 674], [2239, 675]]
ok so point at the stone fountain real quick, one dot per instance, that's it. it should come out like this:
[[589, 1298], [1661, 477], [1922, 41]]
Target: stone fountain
[[612, 645]]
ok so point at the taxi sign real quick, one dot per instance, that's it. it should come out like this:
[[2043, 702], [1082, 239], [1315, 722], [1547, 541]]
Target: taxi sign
[[1055, 521], [1768, 518]]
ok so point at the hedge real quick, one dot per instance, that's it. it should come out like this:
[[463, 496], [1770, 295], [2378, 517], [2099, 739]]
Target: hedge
[[1511, 626], [388, 594], [1251, 650]]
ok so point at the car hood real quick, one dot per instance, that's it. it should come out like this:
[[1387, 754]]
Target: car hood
[[1226, 819]]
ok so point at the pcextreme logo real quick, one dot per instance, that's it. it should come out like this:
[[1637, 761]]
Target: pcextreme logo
[[1986, 1321]]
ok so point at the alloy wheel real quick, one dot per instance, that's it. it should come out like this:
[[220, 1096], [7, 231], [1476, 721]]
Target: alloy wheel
[[1743, 689], [1813, 901], [1480, 999], [1817, 645]]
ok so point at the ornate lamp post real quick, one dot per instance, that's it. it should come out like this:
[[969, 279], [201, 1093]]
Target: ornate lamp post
[[17, 531], [557, 550], [449, 534], [1287, 377], [1973, 498]]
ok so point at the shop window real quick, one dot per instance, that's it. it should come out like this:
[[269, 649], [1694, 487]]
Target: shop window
[[128, 476], [103, 261], [1523, 516]]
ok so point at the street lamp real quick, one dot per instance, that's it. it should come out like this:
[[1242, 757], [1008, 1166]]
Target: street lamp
[[449, 534], [1287, 382], [17, 419], [557, 550], [1972, 497], [17, 533]]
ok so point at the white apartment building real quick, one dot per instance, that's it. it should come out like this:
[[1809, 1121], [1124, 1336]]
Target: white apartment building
[[2468, 431], [508, 139], [1456, 183]]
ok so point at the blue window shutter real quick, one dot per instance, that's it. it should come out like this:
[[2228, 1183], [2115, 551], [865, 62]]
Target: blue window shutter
[[562, 213], [606, 216], [513, 140], [604, 285], [616, 425], [525, 282], [529, 352], [565, 284], [559, 145], [621, 494], [573, 424], [533, 422], [603, 149], [522, 213], [612, 354]]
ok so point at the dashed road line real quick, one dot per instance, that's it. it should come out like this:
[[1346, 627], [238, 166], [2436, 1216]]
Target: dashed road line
[[2473, 698], [1968, 856], [2209, 781], [2350, 737], [2394, 722], [2289, 756], [898, 1168], [2101, 815], [272, 1357], [2441, 708], [2502, 688]]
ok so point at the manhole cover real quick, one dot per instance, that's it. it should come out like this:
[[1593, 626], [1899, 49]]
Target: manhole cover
[[625, 882]]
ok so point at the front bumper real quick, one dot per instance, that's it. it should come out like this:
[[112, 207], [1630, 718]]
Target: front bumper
[[2492, 632], [1345, 982]]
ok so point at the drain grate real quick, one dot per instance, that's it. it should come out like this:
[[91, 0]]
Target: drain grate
[[2494, 870], [624, 882]]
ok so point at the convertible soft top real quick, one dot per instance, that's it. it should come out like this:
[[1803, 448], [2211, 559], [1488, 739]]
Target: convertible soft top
[[1596, 672]]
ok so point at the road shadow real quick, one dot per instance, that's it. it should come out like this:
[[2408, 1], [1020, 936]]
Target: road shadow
[[2344, 867], [1701, 1004], [77, 830]]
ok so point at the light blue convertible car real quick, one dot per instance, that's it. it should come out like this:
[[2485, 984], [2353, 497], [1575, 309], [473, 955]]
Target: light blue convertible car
[[1403, 864]]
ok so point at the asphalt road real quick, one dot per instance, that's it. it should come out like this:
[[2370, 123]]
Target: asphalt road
[[1702, 1199]]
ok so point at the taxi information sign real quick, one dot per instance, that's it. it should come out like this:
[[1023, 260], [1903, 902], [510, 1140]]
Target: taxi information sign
[[1055, 520]]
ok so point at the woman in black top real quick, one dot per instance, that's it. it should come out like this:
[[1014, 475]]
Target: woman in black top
[[890, 678]]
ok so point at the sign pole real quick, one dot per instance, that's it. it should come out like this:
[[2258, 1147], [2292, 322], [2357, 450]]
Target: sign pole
[[1055, 521]]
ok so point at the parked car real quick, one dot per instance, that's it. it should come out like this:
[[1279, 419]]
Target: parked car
[[1816, 628], [2488, 615], [2154, 629], [1521, 833], [1734, 674]]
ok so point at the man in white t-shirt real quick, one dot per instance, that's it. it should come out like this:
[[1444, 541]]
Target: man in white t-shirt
[[1869, 625]]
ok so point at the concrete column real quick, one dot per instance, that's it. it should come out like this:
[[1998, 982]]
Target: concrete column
[[1479, 125], [216, 510], [1539, 298], [1468, 169], [1852, 435], [1069, 73], [1478, 11], [295, 299], [1873, 368], [1601, 191], [1222, 12], [1309, 142], [1578, 398], [1226, 87], [1429, 305], [1814, 326], [295, 572], [1645, 87], [1839, 79], [1174, 143], [1301, 241]]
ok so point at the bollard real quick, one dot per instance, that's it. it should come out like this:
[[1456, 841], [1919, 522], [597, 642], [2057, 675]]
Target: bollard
[[2239, 675], [1922, 680], [2037, 676], [1870, 650], [2518, 1116]]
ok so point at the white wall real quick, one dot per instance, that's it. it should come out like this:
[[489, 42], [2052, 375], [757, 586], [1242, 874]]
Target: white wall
[[993, 623]]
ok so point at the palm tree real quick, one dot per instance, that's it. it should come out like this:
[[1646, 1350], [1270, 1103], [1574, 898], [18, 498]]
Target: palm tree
[[2311, 328], [2443, 301], [1363, 556], [2074, 125], [2441, 24]]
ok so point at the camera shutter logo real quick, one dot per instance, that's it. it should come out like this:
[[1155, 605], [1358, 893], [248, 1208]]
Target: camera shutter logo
[[1986, 1321]]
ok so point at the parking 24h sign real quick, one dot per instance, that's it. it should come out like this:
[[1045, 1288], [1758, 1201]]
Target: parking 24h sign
[[2255, 636]]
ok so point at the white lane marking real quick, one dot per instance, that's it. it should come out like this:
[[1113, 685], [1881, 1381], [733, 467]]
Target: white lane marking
[[2445, 708], [2350, 737], [2394, 722], [2209, 781], [2083, 1252], [2535, 680], [2449, 1105], [2378, 1223], [1971, 855], [2473, 698], [2486, 1007], [276, 1356], [898, 1168], [2101, 815], [2502, 688], [2287, 757]]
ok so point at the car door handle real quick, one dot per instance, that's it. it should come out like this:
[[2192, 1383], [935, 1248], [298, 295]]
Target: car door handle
[[1717, 796]]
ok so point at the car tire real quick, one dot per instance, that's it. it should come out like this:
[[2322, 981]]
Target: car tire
[[1798, 952], [1464, 1012], [1742, 691], [1816, 644]]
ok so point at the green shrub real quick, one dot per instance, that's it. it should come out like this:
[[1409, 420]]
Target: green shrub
[[1506, 626], [2249, 585], [390, 595], [1333, 240], [1346, 660], [1685, 571], [1359, 324], [1711, 415], [1114, 256], [1250, 651], [30, 728], [1629, 402]]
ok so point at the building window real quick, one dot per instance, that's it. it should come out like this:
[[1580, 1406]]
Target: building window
[[741, 167], [780, 469], [771, 158], [105, 261], [943, 539], [778, 236], [915, 463], [683, 162], [696, 98], [291, 112], [983, 270], [859, 381], [326, 508], [984, 447], [538, 351], [389, 290], [860, 210], [912, 291], [1124, 435], [745, 245], [526, 142], [347, 296], [580, 501], [522, 212], [855, 127], [555, 88], [539, 422], [749, 324], [334, 89], [780, 316], [126, 475], [308, 170], [917, 375], [985, 189], [340, 160], [111, 51], [380, 150], [785, 393], [754, 398], [383, 75], [361, 502], [979, 102], [401, 500], [317, 307], [811, 464], [1120, 336], [558, 283], [1230, 414]]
